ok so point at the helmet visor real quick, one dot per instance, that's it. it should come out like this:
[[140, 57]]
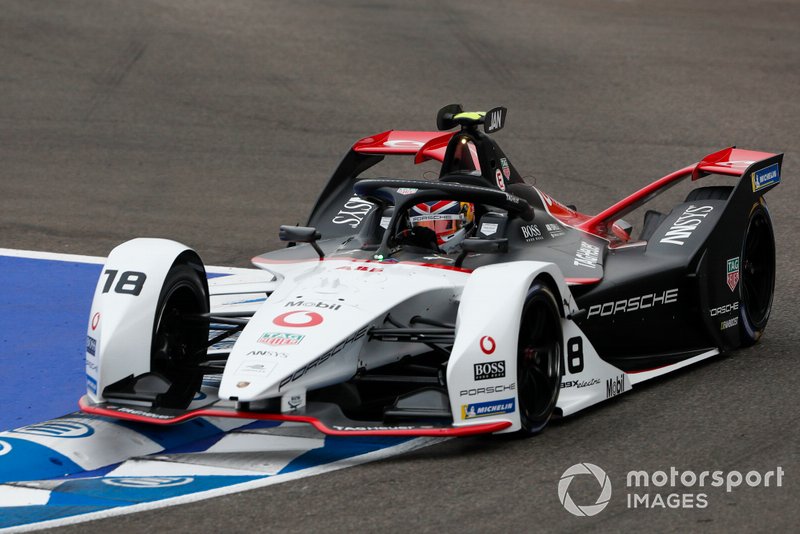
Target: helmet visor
[[442, 225]]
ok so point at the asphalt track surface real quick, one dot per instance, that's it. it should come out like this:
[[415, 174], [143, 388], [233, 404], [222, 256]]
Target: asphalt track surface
[[214, 122]]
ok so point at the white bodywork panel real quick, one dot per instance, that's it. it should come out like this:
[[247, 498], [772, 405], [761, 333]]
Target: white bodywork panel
[[487, 331], [310, 321], [120, 330], [311, 332]]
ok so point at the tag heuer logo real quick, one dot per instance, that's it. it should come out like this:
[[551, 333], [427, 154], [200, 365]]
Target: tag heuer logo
[[280, 338], [733, 273]]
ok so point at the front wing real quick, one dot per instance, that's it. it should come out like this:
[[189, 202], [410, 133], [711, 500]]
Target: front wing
[[325, 417]]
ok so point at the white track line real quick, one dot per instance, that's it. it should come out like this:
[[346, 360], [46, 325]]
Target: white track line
[[99, 260], [245, 486]]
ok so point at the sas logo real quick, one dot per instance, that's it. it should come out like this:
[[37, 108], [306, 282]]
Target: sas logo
[[733, 273], [147, 482], [488, 370], [353, 212], [486, 409], [91, 345], [280, 338], [58, 428], [765, 177]]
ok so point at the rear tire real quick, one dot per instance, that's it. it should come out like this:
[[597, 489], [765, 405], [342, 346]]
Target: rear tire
[[538, 359], [757, 278], [179, 345]]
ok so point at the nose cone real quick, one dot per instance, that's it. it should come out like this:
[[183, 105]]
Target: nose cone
[[310, 332], [294, 343]]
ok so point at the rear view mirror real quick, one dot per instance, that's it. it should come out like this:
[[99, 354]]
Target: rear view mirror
[[301, 234]]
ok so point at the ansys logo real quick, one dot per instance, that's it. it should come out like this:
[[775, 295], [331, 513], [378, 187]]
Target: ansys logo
[[590, 509]]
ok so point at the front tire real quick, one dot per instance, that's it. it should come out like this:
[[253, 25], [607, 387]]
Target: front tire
[[757, 279], [538, 359], [178, 344]]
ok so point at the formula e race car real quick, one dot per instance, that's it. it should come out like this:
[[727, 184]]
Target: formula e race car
[[470, 303]]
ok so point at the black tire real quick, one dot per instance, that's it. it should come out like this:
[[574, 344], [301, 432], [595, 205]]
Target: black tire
[[716, 192], [538, 359], [757, 275], [179, 345]]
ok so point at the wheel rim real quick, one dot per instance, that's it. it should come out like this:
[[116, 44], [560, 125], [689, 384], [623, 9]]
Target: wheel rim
[[175, 346], [758, 270], [539, 360]]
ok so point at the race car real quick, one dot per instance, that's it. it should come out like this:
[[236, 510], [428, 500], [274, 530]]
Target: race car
[[466, 304]]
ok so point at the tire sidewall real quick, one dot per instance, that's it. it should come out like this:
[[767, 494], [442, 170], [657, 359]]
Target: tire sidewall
[[539, 290], [751, 332]]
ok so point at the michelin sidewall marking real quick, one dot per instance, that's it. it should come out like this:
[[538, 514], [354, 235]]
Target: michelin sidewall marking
[[590, 509]]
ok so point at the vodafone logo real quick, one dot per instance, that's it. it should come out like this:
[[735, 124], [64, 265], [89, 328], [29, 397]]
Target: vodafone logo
[[498, 176], [298, 319], [403, 143], [487, 344], [95, 320]]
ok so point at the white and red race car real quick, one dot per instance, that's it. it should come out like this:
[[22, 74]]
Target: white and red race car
[[372, 323]]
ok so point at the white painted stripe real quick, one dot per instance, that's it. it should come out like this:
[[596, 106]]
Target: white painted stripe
[[638, 378], [238, 453], [158, 468], [246, 486], [55, 256], [22, 496], [100, 260], [252, 442]]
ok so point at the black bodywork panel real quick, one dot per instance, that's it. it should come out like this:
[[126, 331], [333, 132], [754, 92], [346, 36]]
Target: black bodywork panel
[[643, 304]]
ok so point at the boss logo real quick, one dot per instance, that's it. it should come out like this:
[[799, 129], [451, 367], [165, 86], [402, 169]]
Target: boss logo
[[485, 371]]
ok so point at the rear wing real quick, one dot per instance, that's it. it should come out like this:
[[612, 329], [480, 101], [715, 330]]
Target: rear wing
[[422, 145], [762, 170]]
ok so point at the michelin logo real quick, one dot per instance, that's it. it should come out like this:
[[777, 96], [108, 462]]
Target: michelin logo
[[765, 177], [485, 409]]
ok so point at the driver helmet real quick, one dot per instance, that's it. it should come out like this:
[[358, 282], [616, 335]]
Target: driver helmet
[[450, 220]]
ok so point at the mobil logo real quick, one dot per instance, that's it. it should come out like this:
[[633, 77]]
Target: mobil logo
[[58, 428]]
